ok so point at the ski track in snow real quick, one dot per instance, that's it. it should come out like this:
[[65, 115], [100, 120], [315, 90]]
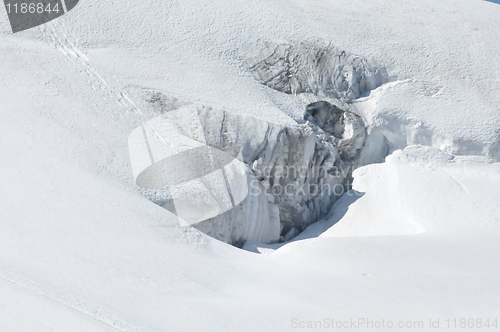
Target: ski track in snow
[[65, 42], [83, 308]]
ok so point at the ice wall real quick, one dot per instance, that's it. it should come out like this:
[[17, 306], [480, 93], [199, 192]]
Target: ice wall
[[297, 172], [265, 182], [315, 67]]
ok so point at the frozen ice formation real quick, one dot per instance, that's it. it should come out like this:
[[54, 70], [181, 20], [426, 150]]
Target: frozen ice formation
[[317, 68], [266, 181], [170, 153], [345, 126]]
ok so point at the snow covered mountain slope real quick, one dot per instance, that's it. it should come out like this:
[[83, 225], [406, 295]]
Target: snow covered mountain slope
[[82, 249]]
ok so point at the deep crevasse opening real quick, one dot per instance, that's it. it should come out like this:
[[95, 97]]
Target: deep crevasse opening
[[286, 177]]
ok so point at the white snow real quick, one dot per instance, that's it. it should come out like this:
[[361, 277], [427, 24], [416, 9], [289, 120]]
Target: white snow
[[81, 249]]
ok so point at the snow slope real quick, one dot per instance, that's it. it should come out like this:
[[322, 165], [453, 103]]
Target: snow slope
[[81, 249]]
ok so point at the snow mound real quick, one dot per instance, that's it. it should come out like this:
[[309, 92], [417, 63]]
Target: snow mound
[[398, 123], [407, 195]]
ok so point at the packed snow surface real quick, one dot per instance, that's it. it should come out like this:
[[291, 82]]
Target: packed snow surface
[[83, 249]]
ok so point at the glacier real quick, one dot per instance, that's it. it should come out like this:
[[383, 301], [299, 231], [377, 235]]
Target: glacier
[[84, 248]]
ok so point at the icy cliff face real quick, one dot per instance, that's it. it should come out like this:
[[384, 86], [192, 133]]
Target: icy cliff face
[[317, 68], [169, 153], [347, 127], [278, 180], [297, 172]]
